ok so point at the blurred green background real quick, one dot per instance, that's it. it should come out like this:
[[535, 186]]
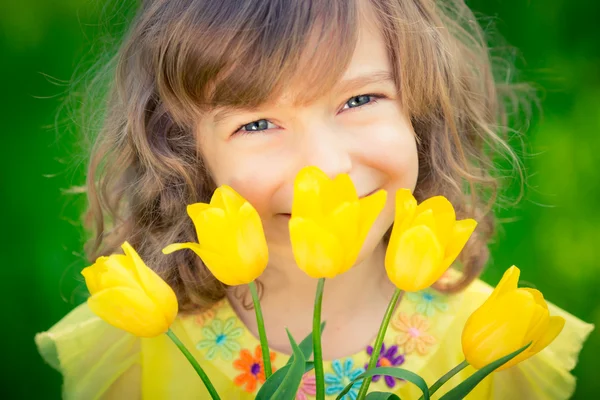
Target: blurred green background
[[553, 234]]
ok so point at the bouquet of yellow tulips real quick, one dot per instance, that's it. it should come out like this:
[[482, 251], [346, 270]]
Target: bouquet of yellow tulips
[[328, 226]]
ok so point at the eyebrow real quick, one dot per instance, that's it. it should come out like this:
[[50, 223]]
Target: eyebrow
[[347, 85], [357, 82]]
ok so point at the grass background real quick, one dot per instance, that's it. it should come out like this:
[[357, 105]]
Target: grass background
[[553, 233]]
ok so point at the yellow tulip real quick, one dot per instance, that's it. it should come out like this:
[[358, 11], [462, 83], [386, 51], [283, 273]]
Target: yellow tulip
[[231, 239], [425, 241], [508, 320], [329, 223], [129, 295]]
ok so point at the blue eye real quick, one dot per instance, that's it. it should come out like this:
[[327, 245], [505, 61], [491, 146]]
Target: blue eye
[[358, 101], [261, 125], [255, 126]]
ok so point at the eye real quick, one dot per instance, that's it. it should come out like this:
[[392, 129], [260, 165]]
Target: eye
[[261, 125], [255, 126], [362, 100]]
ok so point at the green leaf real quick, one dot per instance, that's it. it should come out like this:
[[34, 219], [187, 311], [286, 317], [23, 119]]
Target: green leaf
[[306, 345], [309, 366], [460, 391], [391, 371], [382, 396], [291, 381], [270, 386]]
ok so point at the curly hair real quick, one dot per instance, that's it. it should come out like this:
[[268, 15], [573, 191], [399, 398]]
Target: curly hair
[[180, 58]]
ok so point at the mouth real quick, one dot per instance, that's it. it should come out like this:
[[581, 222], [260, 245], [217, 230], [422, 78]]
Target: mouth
[[287, 216]]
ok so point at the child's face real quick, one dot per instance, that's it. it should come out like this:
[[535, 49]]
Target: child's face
[[349, 130]]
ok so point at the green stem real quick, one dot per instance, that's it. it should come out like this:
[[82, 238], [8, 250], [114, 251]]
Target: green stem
[[438, 384], [264, 344], [320, 380], [378, 342], [209, 386]]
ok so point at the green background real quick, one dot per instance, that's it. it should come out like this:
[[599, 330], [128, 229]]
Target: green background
[[553, 234]]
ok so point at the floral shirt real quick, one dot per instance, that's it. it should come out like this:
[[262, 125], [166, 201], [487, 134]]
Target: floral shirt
[[99, 361]]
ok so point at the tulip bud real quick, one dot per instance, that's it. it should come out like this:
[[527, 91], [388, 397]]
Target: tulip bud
[[508, 320], [425, 241], [231, 239], [129, 295]]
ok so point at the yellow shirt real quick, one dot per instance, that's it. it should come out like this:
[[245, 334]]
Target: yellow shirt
[[99, 361]]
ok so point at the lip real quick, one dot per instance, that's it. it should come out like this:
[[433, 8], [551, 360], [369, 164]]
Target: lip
[[288, 215]]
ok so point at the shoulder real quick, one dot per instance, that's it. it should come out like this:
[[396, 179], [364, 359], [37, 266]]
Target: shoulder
[[93, 356]]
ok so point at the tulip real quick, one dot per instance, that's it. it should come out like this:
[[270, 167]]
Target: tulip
[[425, 241], [231, 239], [129, 295], [508, 320], [329, 223]]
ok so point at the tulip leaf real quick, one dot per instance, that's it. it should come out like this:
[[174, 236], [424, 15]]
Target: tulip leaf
[[293, 377], [460, 391], [270, 386], [306, 345], [382, 396], [390, 371]]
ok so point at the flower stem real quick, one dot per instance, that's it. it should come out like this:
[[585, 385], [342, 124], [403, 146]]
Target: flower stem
[[447, 376], [264, 344], [378, 342], [316, 336], [209, 386]]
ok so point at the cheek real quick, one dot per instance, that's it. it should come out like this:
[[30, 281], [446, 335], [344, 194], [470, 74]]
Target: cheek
[[392, 151], [257, 179]]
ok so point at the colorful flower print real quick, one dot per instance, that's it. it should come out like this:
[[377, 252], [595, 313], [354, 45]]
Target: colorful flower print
[[220, 339], [342, 376], [413, 333], [428, 302], [252, 369], [308, 386], [387, 358]]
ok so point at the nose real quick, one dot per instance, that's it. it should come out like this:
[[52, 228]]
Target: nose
[[326, 149]]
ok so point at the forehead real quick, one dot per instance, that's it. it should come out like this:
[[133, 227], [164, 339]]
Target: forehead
[[323, 69]]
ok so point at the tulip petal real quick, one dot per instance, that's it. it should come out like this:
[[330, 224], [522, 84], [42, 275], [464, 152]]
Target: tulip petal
[[194, 210], [337, 191], [413, 262], [92, 276], [214, 230], [444, 215], [537, 296], [130, 310], [227, 199], [316, 251], [251, 243], [225, 269], [540, 317], [461, 232], [406, 206], [555, 326], [508, 283], [495, 331], [218, 265], [153, 285], [426, 218], [343, 223], [308, 191], [108, 272], [179, 246]]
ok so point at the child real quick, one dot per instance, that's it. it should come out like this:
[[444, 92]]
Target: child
[[396, 93]]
